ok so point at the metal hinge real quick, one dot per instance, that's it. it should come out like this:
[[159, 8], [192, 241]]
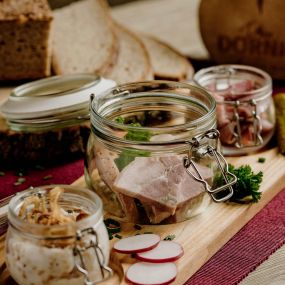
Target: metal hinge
[[87, 239], [212, 151], [257, 127]]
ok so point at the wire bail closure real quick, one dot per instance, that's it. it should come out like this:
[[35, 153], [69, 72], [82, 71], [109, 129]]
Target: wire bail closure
[[189, 163], [82, 246], [257, 127]]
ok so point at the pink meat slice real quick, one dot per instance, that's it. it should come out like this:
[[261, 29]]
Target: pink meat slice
[[222, 116], [227, 134], [160, 183], [242, 86]]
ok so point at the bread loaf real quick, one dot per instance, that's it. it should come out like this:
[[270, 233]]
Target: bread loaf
[[83, 38], [25, 51], [45, 147], [167, 63], [133, 63]]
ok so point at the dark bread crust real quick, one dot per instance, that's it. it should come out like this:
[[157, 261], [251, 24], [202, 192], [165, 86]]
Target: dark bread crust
[[24, 10], [50, 147]]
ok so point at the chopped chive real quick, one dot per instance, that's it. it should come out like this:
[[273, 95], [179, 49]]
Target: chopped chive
[[169, 237], [21, 174], [47, 177], [21, 179], [148, 233], [137, 227], [120, 120], [111, 223], [137, 234], [2, 173], [118, 236], [261, 159]]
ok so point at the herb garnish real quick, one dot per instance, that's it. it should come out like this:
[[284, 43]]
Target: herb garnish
[[19, 181], [138, 135], [47, 177], [128, 155], [247, 187], [135, 135], [169, 237], [261, 159], [113, 227], [2, 173]]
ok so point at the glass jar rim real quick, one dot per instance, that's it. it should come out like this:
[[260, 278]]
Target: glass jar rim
[[18, 223], [233, 69], [55, 102], [97, 119]]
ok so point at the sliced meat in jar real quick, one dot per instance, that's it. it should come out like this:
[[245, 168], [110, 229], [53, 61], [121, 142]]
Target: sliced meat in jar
[[161, 184]]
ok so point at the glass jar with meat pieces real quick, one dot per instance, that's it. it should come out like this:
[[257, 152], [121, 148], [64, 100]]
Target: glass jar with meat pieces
[[245, 109], [56, 235], [153, 152]]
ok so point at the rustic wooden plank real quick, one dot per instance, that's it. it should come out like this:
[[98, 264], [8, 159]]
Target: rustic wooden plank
[[203, 235]]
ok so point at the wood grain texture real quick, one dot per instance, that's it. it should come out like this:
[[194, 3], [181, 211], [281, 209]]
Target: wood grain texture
[[203, 235]]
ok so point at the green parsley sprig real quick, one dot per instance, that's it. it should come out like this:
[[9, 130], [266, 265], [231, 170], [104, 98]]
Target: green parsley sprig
[[247, 187], [128, 155]]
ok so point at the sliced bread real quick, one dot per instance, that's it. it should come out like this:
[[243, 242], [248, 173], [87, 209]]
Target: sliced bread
[[83, 38], [25, 47], [133, 63], [167, 62], [47, 147]]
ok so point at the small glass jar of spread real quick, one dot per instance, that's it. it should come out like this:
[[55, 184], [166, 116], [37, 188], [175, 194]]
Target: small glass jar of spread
[[245, 109], [56, 235], [153, 153]]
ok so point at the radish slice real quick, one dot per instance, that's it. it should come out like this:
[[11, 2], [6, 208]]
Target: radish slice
[[166, 251], [144, 273], [136, 244]]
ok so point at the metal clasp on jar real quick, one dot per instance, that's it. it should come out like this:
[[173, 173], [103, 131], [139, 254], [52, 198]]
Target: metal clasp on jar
[[87, 239], [198, 145], [257, 128]]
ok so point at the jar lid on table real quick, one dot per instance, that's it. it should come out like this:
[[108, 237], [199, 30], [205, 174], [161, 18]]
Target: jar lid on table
[[56, 101]]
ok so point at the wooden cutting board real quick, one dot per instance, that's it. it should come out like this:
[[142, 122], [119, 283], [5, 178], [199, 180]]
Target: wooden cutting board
[[203, 235]]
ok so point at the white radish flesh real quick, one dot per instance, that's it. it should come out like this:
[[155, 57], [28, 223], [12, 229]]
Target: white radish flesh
[[144, 273], [165, 251], [137, 244]]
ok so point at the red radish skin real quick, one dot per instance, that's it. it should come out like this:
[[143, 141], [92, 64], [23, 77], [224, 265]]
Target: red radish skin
[[144, 273], [165, 251], [137, 244]]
